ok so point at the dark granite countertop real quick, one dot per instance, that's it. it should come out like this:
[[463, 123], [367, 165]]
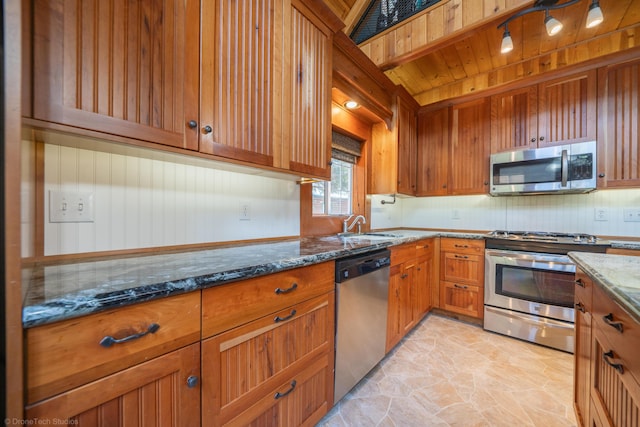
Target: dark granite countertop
[[618, 275], [58, 292], [625, 244]]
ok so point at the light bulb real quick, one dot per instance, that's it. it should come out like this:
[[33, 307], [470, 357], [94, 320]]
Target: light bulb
[[351, 105], [553, 25], [594, 17], [507, 42]]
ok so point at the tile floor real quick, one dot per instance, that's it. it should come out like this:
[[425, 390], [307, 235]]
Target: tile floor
[[449, 373]]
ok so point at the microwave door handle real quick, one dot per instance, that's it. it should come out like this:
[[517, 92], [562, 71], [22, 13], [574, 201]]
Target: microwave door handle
[[565, 168]]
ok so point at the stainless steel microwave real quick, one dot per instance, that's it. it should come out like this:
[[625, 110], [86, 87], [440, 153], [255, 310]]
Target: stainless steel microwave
[[560, 169]]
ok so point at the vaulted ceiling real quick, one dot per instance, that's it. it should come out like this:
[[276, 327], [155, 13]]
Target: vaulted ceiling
[[435, 64]]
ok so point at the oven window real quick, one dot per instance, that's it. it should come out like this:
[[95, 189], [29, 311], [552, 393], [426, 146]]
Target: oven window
[[537, 285]]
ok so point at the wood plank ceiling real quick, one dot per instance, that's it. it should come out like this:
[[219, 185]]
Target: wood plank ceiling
[[470, 61]]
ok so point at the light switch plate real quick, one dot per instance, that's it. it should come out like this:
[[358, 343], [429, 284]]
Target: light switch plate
[[631, 215], [67, 206]]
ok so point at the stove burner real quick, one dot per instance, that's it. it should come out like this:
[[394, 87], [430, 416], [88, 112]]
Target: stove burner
[[542, 241]]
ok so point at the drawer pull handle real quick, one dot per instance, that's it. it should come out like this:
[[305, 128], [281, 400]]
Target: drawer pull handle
[[455, 285], [580, 283], [108, 341], [286, 291], [617, 366], [461, 256], [278, 395], [608, 319], [579, 306], [192, 381], [461, 246], [282, 319]]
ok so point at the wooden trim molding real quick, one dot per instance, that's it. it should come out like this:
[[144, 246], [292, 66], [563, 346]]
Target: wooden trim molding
[[346, 122], [12, 287]]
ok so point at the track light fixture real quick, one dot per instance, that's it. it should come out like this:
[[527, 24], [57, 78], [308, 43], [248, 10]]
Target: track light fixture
[[552, 25]]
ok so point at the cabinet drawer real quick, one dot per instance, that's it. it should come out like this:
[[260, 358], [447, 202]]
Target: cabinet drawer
[[460, 298], [583, 290], [465, 246], [402, 253], [64, 355], [424, 247], [227, 306], [457, 267], [240, 366], [608, 316]]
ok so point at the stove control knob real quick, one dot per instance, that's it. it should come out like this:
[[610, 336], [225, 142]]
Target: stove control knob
[[578, 239], [592, 239]]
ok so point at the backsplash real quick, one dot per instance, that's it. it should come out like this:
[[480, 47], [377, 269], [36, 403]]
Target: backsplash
[[560, 213], [146, 202]]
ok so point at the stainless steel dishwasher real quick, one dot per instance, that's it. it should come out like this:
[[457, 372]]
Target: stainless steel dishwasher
[[362, 295]]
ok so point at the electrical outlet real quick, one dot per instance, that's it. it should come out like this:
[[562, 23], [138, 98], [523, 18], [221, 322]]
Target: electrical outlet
[[601, 214], [71, 206], [631, 215], [245, 212]]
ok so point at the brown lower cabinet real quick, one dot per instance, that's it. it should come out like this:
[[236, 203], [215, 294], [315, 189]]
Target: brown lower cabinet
[[608, 394], [410, 281], [462, 276], [274, 364], [254, 352], [162, 391]]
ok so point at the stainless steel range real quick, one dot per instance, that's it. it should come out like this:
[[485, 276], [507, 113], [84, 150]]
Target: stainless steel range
[[529, 285]]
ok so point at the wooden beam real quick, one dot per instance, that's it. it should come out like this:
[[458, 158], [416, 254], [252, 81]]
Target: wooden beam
[[354, 15], [611, 47]]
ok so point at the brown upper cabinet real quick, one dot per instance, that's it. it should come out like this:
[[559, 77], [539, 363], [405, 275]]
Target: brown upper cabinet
[[253, 85], [618, 135], [559, 111], [126, 71], [453, 153], [393, 154]]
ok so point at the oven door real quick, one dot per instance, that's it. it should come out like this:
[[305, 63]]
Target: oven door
[[533, 283]]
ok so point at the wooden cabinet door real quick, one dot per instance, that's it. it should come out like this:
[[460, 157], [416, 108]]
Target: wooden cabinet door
[[469, 161], [514, 120], [306, 117], [461, 267], [298, 401], [238, 70], [461, 298], [582, 371], [615, 392], [407, 148], [618, 134], [127, 71], [433, 153], [241, 366], [164, 391], [423, 284], [401, 312], [567, 110]]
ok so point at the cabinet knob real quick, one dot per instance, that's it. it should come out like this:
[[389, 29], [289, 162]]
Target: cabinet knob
[[192, 381], [601, 175], [542, 138], [192, 124], [533, 140], [207, 129]]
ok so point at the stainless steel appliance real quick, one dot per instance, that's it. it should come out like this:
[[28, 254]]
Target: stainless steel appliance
[[563, 168], [362, 295], [529, 285]]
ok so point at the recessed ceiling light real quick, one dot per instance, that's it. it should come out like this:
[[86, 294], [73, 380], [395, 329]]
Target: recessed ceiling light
[[351, 104]]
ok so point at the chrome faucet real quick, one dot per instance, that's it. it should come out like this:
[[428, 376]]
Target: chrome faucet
[[346, 227]]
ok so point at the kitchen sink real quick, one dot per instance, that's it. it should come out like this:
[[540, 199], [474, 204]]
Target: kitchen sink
[[368, 236]]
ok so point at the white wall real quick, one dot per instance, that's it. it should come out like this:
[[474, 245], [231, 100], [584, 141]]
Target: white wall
[[560, 213], [154, 201]]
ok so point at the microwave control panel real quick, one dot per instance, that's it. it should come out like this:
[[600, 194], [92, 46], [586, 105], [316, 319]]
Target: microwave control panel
[[580, 167]]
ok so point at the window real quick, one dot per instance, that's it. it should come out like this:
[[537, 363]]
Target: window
[[334, 198]]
